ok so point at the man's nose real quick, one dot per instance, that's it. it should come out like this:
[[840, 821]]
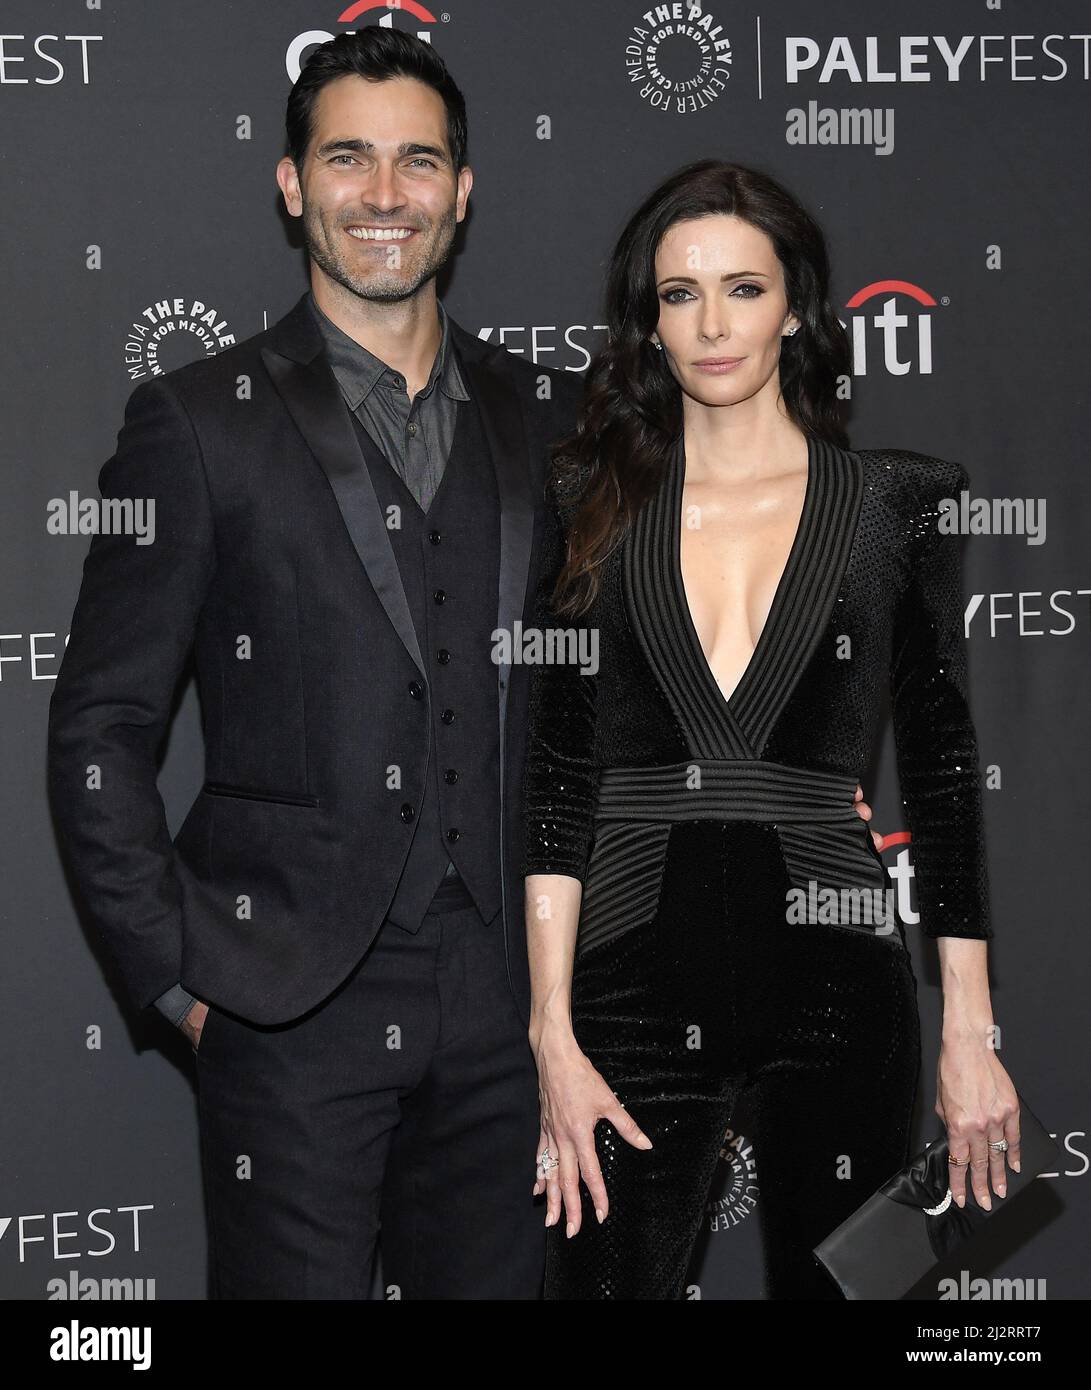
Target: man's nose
[[383, 189]]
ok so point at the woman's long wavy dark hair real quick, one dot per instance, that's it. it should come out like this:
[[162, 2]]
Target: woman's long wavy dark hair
[[632, 407]]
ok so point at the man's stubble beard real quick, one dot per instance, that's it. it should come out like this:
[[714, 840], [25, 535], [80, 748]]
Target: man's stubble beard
[[383, 286]]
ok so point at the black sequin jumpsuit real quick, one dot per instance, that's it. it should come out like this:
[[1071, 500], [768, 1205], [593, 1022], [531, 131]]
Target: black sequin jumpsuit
[[693, 821]]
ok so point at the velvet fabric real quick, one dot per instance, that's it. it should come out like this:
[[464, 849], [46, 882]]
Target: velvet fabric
[[693, 982]]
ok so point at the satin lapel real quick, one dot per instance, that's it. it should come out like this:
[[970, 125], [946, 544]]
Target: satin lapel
[[808, 591], [310, 391], [491, 385]]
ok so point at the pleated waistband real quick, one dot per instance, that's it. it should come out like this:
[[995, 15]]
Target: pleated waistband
[[704, 789]]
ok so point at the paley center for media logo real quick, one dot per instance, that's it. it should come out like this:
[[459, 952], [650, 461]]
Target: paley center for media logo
[[678, 57], [735, 1191], [362, 12], [200, 326]]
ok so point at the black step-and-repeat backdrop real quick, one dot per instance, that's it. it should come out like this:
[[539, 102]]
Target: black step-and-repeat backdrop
[[944, 148]]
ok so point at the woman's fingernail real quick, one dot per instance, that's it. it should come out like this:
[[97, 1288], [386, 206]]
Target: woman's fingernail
[[1015, 1164], [961, 1201], [1001, 1191], [570, 1230], [600, 1216]]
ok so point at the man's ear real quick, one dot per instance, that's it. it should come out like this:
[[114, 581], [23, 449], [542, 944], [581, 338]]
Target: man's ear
[[288, 182]]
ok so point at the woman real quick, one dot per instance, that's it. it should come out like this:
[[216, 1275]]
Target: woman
[[752, 585]]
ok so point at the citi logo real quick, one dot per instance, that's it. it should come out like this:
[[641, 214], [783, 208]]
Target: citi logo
[[901, 873], [900, 341], [360, 9]]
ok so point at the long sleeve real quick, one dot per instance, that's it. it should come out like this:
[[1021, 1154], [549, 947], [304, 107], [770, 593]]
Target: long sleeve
[[934, 733], [561, 778], [131, 635]]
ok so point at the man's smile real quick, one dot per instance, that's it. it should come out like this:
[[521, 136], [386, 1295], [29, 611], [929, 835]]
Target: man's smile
[[380, 233]]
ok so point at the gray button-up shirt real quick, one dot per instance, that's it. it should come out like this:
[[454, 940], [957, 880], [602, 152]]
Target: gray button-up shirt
[[414, 435]]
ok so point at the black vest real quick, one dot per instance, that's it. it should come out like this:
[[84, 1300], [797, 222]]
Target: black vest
[[449, 561]]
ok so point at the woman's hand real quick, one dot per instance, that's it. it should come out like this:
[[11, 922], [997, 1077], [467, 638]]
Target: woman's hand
[[574, 1097], [863, 810], [977, 1103]]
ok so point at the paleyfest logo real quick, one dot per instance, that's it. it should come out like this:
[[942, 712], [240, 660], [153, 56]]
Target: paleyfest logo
[[360, 10], [678, 57]]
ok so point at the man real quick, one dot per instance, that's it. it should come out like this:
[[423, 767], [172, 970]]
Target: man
[[348, 509]]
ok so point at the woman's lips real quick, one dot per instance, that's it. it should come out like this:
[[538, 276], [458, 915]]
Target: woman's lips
[[718, 365]]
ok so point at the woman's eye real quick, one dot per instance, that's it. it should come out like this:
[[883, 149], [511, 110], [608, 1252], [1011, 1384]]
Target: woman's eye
[[751, 292]]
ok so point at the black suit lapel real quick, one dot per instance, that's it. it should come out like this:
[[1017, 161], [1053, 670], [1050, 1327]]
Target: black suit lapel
[[491, 385], [295, 359]]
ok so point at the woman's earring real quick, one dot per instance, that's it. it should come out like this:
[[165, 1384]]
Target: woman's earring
[[658, 347], [792, 331]]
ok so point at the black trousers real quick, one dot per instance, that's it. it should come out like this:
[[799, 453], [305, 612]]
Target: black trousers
[[722, 996], [406, 1101]]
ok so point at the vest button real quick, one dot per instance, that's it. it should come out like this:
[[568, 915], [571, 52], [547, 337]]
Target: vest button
[[416, 689], [439, 595], [453, 833], [443, 656], [411, 428], [435, 537], [450, 776], [448, 716], [406, 812]]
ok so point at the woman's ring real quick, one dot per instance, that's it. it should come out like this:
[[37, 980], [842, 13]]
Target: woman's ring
[[546, 1163]]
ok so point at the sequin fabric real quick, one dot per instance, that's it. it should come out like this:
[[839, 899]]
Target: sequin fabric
[[709, 992]]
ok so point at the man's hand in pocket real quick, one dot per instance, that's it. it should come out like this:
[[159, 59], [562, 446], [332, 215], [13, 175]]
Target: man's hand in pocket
[[194, 1022]]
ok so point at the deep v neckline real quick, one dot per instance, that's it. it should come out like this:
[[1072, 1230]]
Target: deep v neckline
[[782, 594]]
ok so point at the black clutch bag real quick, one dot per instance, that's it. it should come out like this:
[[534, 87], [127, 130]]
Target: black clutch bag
[[913, 1222]]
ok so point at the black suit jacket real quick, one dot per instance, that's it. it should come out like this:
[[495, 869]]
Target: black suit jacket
[[272, 565]]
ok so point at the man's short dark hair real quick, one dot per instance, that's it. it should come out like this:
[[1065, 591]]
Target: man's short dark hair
[[377, 54]]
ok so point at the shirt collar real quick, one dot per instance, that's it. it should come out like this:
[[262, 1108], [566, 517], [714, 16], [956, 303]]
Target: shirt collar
[[358, 371]]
